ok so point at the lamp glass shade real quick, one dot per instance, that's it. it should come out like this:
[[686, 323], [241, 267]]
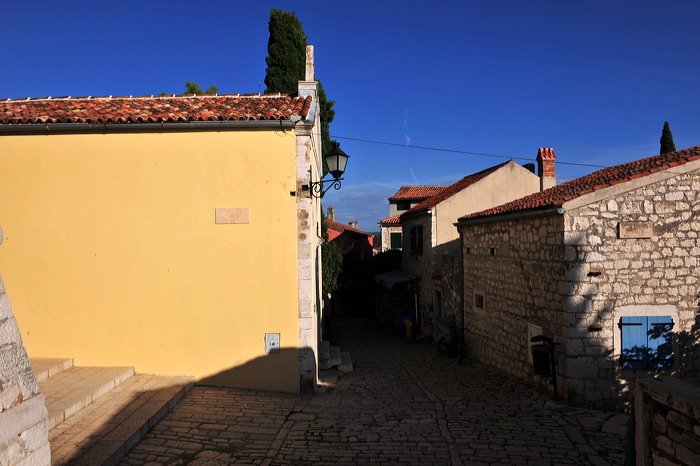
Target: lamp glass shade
[[336, 161]]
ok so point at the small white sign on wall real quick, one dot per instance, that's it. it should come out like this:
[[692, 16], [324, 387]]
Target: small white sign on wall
[[232, 215], [272, 343]]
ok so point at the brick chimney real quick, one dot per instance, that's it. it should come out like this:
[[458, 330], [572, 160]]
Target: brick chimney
[[331, 214], [545, 167], [353, 224]]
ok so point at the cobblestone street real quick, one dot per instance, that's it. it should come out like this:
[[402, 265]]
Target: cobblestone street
[[404, 403]]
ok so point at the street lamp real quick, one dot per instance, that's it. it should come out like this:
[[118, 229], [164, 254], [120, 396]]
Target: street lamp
[[336, 160]]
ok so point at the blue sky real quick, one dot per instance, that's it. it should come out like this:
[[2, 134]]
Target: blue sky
[[593, 79]]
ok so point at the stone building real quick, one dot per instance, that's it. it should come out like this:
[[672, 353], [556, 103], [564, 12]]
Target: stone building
[[404, 199], [357, 245], [605, 265], [431, 242]]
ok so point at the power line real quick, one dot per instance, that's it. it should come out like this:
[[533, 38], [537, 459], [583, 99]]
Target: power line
[[437, 149]]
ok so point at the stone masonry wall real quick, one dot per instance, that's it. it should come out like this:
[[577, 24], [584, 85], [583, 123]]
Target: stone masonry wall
[[608, 276], [421, 265], [574, 275], [23, 415], [450, 285], [667, 422], [517, 268]]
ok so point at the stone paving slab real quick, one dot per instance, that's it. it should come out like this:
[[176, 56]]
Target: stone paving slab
[[103, 432], [404, 403]]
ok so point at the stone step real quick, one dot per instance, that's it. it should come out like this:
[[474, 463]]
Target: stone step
[[346, 364], [73, 389], [334, 359], [47, 367], [105, 431], [324, 351]]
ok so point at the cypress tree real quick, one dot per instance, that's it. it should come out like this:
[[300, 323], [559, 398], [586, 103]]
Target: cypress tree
[[286, 65], [286, 49], [666, 140]]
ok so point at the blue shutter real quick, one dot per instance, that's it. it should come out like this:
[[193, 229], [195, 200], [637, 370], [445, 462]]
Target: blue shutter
[[659, 342], [634, 342], [646, 342]]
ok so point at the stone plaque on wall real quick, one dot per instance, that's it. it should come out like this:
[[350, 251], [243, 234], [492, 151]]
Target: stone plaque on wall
[[233, 215], [629, 230]]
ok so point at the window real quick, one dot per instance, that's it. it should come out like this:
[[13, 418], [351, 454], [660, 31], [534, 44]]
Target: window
[[403, 205], [478, 301], [396, 241], [646, 342], [417, 239]]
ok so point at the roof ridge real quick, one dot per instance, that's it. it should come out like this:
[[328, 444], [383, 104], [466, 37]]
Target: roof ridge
[[151, 96], [456, 187], [557, 195]]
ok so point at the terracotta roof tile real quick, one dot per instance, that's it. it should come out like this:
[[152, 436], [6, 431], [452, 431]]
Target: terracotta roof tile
[[395, 220], [451, 191], [150, 109], [416, 192], [558, 195], [341, 227]]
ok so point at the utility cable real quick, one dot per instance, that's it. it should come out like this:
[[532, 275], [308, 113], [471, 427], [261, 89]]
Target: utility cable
[[460, 151]]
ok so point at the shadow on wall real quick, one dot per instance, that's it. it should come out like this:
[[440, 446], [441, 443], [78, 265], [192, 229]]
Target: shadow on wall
[[274, 372], [450, 247], [667, 349]]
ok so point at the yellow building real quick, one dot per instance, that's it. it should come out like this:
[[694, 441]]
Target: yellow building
[[174, 234]]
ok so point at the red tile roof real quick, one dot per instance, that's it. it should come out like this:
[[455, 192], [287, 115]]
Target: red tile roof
[[341, 227], [395, 220], [558, 195], [451, 191], [150, 109], [416, 192]]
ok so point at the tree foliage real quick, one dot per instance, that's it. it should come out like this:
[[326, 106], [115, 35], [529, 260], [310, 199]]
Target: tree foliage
[[286, 65], [193, 88], [331, 260], [666, 140], [286, 49]]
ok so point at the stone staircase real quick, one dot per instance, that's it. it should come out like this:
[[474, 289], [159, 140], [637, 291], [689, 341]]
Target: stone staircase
[[97, 414], [330, 357]]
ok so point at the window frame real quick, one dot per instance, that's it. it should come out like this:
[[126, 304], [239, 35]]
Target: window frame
[[667, 310], [392, 236], [416, 237], [638, 336], [402, 206]]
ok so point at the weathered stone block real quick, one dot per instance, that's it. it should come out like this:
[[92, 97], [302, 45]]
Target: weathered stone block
[[5, 309], [584, 367], [9, 333]]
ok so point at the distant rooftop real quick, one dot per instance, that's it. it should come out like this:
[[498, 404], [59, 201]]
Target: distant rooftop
[[451, 190], [416, 192]]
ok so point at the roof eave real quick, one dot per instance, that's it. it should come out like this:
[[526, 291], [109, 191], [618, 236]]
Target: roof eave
[[25, 128], [409, 214], [517, 215]]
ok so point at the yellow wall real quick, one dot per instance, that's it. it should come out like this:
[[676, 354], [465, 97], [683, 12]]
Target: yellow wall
[[113, 257]]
